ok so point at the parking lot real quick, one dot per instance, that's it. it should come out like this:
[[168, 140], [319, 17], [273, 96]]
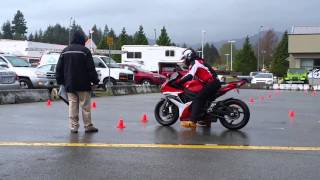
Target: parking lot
[[35, 142]]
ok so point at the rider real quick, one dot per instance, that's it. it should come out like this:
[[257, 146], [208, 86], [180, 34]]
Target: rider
[[200, 70]]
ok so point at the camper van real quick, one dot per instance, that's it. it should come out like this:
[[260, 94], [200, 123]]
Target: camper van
[[150, 57]]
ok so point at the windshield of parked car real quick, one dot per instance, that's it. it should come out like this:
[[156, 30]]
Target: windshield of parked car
[[297, 71], [110, 62], [17, 62], [263, 76]]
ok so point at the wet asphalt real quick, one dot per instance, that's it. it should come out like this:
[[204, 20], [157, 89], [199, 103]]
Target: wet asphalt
[[269, 126]]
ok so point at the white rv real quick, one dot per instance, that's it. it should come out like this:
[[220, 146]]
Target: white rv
[[150, 56]]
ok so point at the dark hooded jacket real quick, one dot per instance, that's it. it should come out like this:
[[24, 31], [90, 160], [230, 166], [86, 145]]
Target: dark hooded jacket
[[75, 69]]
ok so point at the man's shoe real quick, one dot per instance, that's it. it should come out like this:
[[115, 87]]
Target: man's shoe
[[74, 131], [188, 124], [91, 129], [204, 123]]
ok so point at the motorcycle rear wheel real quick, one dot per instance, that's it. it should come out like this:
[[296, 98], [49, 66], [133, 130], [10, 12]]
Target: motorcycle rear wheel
[[239, 112], [163, 115]]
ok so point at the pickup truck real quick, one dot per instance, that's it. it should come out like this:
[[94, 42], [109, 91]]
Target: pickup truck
[[111, 72]]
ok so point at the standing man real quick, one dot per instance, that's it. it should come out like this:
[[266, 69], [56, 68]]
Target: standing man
[[76, 71]]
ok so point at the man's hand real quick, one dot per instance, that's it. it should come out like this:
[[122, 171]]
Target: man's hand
[[94, 87]]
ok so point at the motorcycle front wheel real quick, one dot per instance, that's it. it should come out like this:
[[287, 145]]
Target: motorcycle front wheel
[[236, 116], [166, 113]]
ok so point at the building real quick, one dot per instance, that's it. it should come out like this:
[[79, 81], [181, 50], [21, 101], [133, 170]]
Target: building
[[304, 47], [31, 51]]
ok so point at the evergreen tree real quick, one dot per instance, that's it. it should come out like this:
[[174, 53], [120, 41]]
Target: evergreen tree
[[246, 61], [19, 26], [123, 38], [75, 27], [56, 35], [226, 49], [279, 65], [97, 34], [184, 45], [31, 37], [7, 31], [40, 36], [164, 39], [211, 54], [106, 30], [36, 37], [140, 38]]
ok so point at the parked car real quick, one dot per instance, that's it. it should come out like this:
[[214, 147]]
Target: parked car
[[266, 78], [8, 79], [142, 76], [21, 67], [45, 77], [111, 72]]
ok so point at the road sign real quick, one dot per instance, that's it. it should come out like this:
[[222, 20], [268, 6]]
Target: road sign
[[110, 41]]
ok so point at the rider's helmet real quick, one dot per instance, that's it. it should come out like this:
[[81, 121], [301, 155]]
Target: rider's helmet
[[188, 56]]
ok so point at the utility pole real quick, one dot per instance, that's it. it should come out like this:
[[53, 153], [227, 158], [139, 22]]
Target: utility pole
[[202, 43], [231, 52]]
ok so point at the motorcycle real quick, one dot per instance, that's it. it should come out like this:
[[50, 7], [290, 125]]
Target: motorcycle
[[232, 113]]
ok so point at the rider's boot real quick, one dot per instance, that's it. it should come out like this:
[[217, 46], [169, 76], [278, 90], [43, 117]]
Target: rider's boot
[[188, 124]]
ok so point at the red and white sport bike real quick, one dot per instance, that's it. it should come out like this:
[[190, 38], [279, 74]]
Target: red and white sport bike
[[232, 113]]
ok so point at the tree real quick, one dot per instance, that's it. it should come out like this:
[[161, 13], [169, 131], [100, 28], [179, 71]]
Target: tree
[[140, 38], [226, 49], [7, 31], [211, 54], [97, 34], [31, 37], [56, 34], [280, 65], [245, 61], [123, 38], [75, 27], [164, 39], [268, 44], [106, 30], [19, 26]]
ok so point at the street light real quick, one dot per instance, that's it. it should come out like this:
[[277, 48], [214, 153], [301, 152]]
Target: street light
[[263, 53], [70, 30], [227, 59], [231, 44], [202, 42], [155, 36], [258, 65], [91, 35]]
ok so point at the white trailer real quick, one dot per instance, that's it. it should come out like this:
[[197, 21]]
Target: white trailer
[[149, 56], [31, 51]]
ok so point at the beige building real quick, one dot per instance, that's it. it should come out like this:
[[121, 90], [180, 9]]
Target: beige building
[[304, 47]]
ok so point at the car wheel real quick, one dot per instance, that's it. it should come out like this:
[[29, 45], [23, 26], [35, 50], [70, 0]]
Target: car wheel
[[108, 83], [25, 83], [146, 82]]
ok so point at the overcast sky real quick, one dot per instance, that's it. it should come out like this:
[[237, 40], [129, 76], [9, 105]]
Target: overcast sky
[[184, 19]]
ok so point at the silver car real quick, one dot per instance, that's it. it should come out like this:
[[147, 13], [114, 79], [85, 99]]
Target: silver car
[[8, 79], [45, 77]]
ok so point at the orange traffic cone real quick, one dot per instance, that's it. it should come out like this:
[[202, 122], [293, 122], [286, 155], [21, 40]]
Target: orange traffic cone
[[292, 115], [261, 98], [251, 100], [94, 105], [121, 124], [49, 103], [144, 118]]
